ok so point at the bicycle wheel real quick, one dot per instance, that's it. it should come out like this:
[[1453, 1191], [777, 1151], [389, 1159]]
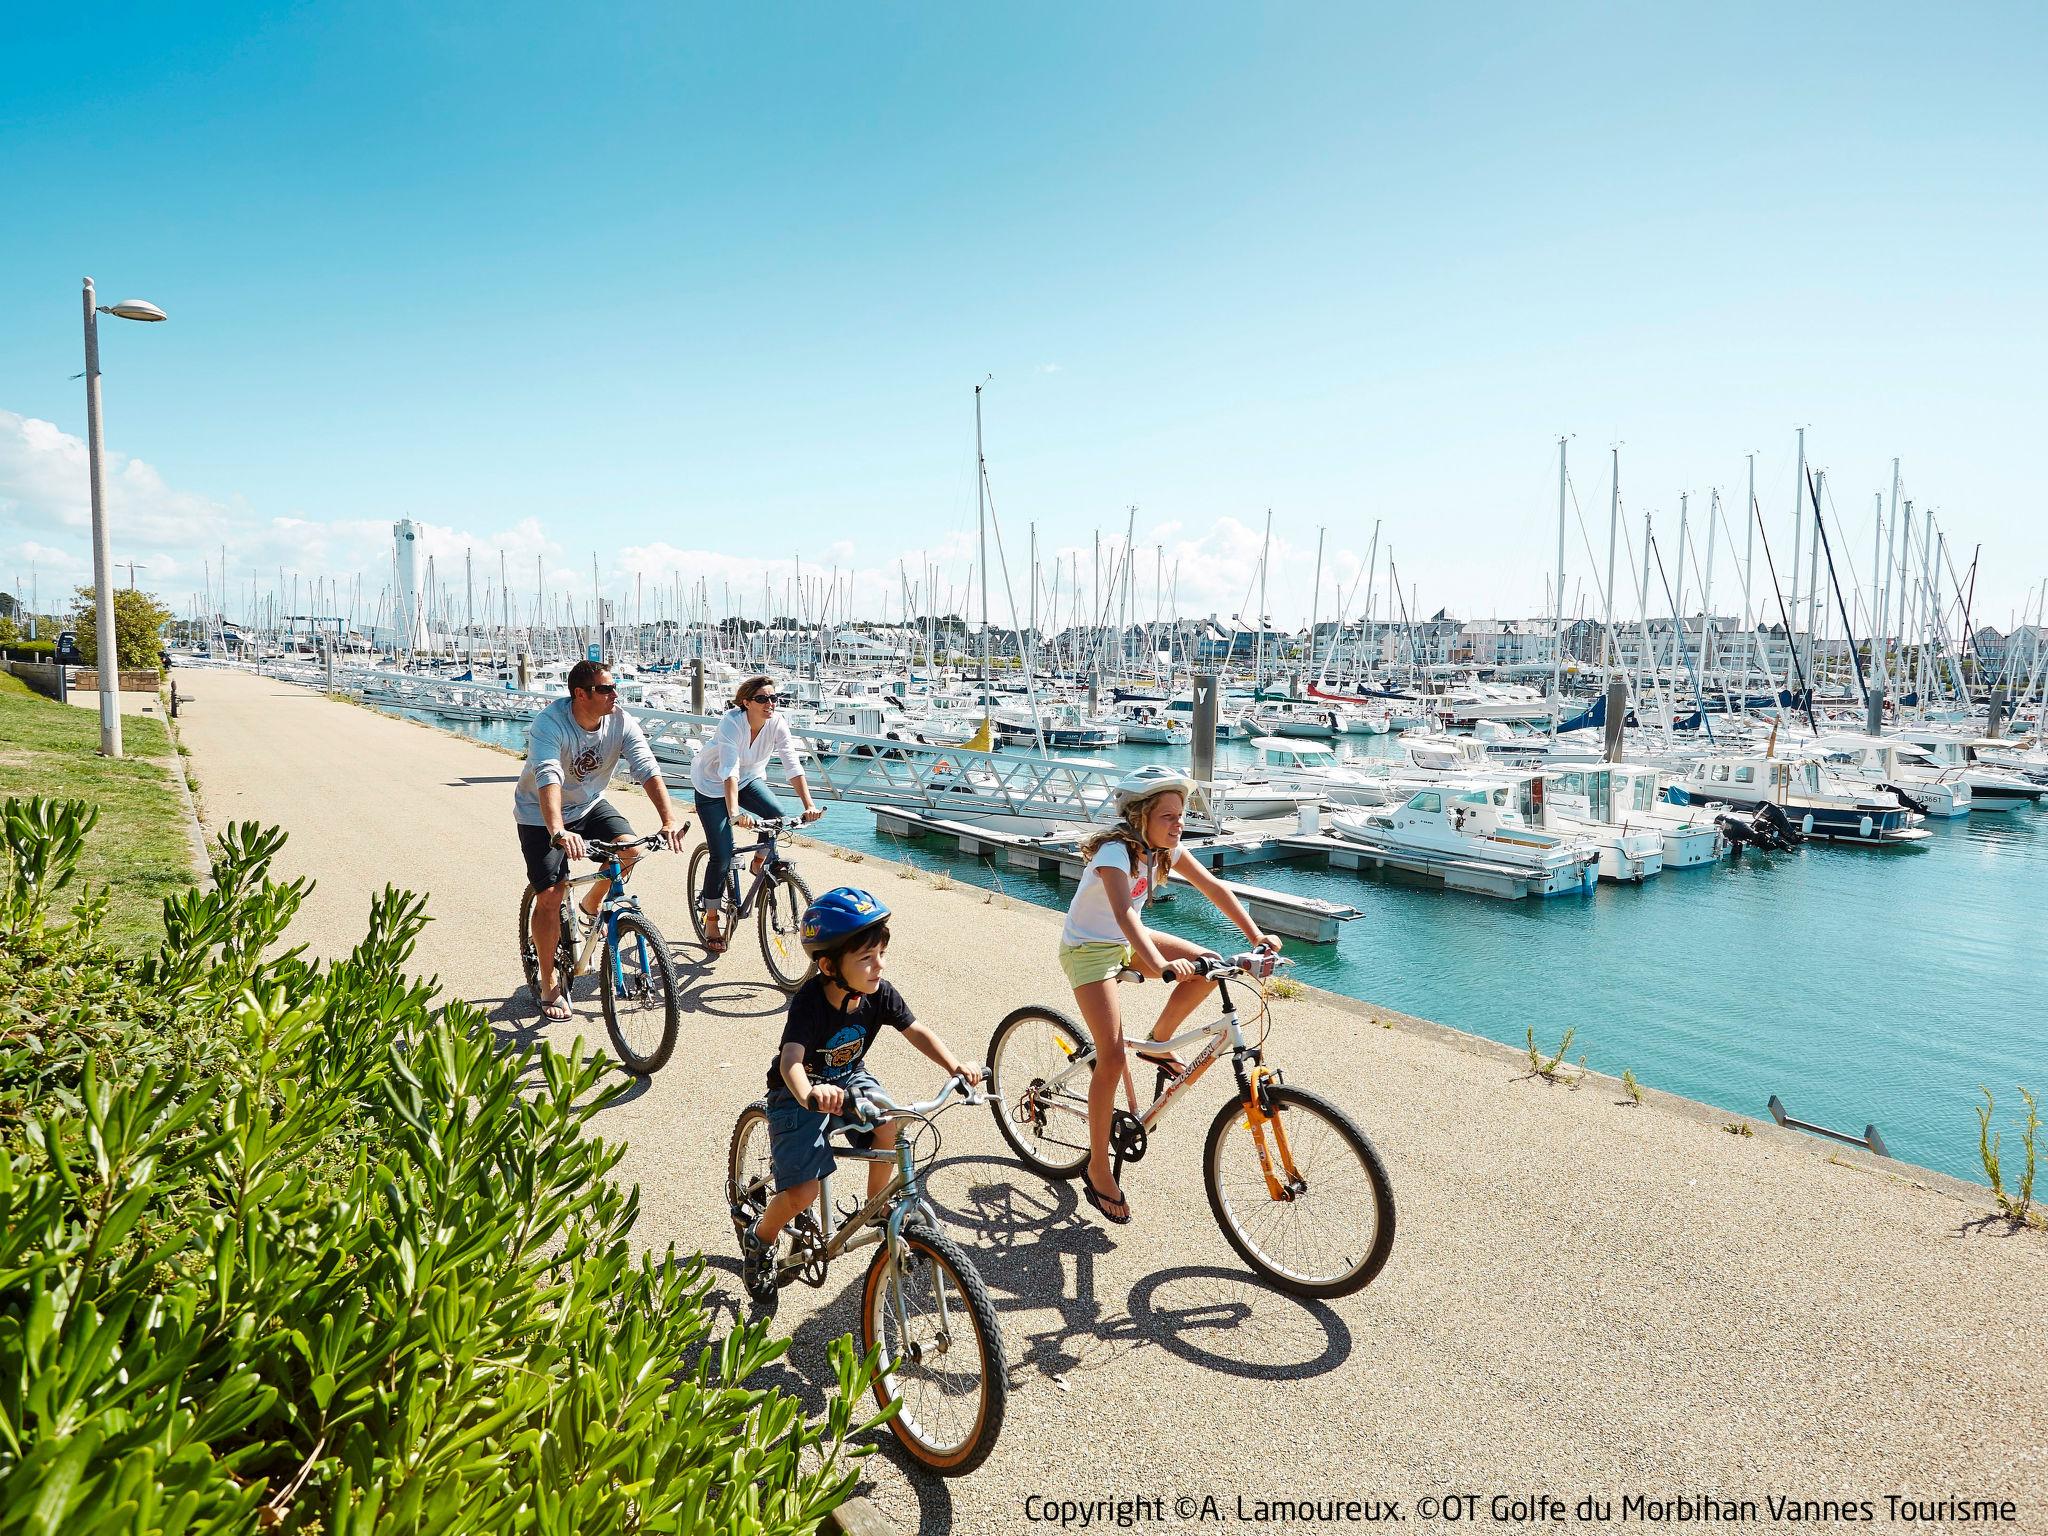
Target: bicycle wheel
[[529, 957], [728, 916], [1046, 1127], [638, 989], [783, 899], [749, 1173], [1329, 1234], [942, 1351]]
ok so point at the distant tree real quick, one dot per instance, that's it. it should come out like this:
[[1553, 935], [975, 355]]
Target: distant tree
[[138, 626], [9, 630]]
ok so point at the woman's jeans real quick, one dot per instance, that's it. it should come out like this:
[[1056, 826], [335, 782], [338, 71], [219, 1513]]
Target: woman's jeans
[[754, 799]]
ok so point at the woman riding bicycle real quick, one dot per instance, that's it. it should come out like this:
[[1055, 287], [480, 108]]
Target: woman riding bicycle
[[1104, 933], [729, 777]]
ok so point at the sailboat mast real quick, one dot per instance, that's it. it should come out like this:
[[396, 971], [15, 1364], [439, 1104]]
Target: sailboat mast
[[1315, 593], [1259, 664], [1557, 633]]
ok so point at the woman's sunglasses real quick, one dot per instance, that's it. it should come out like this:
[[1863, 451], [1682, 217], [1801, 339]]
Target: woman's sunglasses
[[771, 700]]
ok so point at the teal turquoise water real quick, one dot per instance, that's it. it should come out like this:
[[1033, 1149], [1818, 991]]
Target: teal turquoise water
[[1859, 985]]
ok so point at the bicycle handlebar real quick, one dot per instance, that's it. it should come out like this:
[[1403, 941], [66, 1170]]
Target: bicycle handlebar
[[1259, 963], [875, 1107], [597, 849], [774, 824]]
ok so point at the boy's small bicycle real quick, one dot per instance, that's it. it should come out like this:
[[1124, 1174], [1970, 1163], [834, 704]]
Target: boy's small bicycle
[[923, 1301], [1295, 1186], [780, 892], [637, 979]]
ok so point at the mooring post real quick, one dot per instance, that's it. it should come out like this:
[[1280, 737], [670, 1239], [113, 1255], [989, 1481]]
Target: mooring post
[[1617, 711], [525, 670], [697, 686], [1204, 747], [1873, 722], [1997, 720]]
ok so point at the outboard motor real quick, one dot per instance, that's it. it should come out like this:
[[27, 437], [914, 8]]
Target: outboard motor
[[1739, 833], [1908, 801], [1783, 834]]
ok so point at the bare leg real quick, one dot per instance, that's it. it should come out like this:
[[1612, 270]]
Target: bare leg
[[1099, 1012], [1186, 996], [547, 933], [787, 1203]]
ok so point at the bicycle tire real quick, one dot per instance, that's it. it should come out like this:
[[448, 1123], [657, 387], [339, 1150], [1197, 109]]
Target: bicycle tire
[[1246, 1212], [907, 1381], [749, 1170], [782, 929], [728, 908], [565, 947], [1030, 1044], [650, 953]]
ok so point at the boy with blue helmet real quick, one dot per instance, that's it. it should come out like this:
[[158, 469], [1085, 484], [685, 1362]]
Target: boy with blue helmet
[[819, 1069]]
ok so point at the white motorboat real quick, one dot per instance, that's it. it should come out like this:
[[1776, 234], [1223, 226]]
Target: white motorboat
[[1313, 770], [1992, 788], [1816, 800], [1895, 764], [1148, 723], [1469, 826], [1629, 797]]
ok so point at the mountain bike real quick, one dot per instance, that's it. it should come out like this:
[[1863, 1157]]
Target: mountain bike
[[636, 979], [777, 893], [1293, 1183], [923, 1301]]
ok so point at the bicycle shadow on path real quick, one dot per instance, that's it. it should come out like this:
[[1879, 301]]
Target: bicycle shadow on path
[[1026, 1234]]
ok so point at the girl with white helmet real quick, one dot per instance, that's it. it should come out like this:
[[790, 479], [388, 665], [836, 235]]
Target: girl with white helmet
[[1104, 932]]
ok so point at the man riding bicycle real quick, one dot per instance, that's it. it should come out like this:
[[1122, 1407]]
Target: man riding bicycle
[[572, 747]]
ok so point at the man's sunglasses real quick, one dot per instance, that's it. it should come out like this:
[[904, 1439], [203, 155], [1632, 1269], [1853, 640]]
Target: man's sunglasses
[[609, 690]]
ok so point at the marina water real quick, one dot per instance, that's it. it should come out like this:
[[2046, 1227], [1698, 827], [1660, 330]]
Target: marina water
[[1860, 985]]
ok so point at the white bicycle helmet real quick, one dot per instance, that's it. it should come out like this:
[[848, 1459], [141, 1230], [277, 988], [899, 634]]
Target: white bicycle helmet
[[1153, 779]]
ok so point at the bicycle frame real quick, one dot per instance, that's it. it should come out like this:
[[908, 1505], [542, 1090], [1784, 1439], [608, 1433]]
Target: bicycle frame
[[617, 902], [771, 860], [1223, 1030], [900, 1196]]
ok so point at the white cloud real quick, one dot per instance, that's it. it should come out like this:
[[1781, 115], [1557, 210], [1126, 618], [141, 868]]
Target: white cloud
[[176, 535]]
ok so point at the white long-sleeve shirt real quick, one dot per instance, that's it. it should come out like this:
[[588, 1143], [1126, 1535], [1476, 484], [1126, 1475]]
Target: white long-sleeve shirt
[[733, 754]]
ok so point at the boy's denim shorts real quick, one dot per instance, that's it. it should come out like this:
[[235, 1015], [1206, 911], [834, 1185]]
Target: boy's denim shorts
[[796, 1135]]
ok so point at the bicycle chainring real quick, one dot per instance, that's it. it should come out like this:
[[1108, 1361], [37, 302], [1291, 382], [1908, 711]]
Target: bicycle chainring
[[1127, 1138], [807, 1243]]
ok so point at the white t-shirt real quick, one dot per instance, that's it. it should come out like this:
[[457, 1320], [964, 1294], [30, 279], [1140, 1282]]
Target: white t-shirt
[[1090, 919], [731, 753]]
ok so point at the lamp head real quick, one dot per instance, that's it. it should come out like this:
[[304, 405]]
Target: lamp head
[[134, 309]]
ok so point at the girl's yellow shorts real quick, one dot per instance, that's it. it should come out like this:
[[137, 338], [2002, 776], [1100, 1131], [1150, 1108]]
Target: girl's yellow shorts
[[1086, 963]]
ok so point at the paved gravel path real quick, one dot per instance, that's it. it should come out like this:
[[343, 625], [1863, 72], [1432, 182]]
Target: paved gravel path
[[1585, 1297]]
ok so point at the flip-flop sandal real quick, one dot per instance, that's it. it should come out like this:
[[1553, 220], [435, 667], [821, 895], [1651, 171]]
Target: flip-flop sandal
[[715, 943], [1103, 1202], [557, 1009]]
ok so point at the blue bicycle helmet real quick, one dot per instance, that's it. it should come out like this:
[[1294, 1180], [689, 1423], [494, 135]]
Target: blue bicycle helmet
[[838, 915]]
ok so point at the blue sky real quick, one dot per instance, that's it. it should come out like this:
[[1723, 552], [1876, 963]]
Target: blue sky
[[703, 290]]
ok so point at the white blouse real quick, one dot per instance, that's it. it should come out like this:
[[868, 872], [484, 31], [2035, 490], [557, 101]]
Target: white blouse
[[732, 754]]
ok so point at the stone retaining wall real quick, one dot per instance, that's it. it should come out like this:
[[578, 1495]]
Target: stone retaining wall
[[43, 676]]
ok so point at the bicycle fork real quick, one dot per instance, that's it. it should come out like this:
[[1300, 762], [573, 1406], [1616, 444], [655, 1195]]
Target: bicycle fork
[[1287, 1183]]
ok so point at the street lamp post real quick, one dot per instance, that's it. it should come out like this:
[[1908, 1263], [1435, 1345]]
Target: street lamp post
[[102, 553]]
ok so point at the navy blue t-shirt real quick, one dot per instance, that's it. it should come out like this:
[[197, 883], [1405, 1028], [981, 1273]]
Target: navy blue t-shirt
[[834, 1041]]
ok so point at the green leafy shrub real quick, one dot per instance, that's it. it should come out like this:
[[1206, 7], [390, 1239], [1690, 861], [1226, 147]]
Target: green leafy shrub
[[289, 1245]]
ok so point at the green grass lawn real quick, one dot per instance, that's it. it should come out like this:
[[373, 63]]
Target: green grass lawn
[[139, 849]]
